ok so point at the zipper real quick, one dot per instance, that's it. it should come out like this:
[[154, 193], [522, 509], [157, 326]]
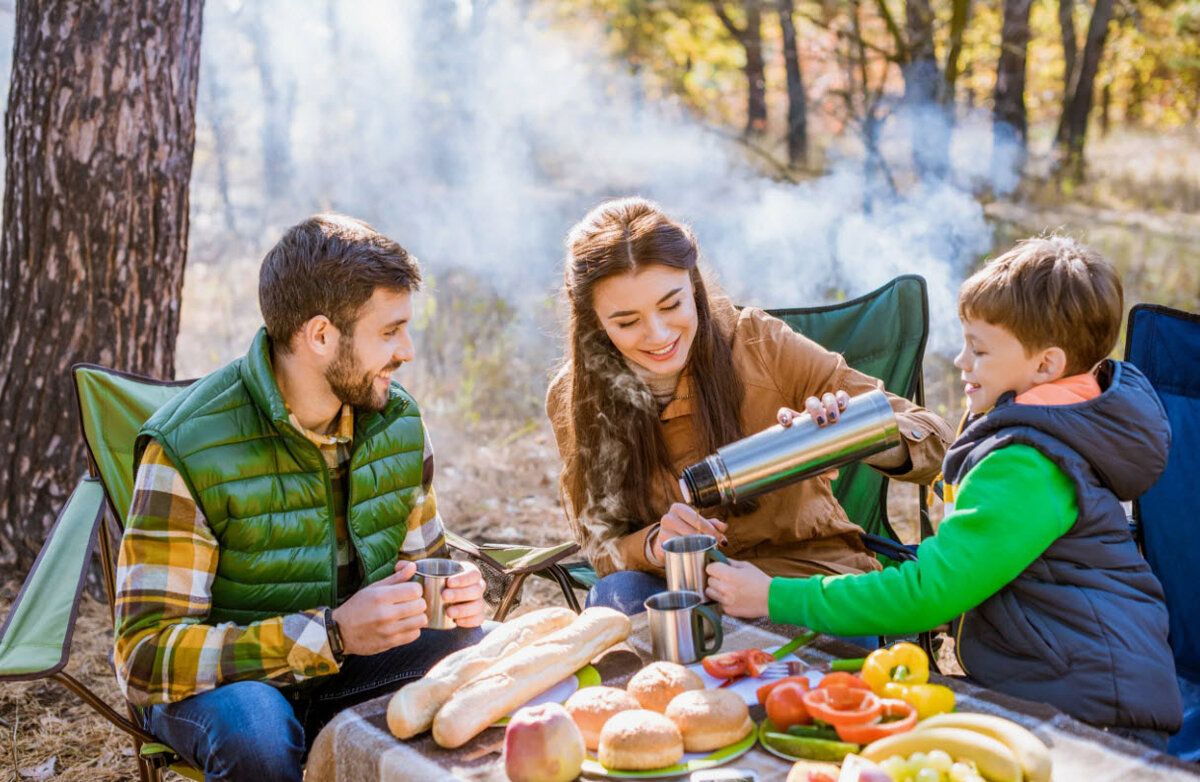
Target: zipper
[[958, 644]]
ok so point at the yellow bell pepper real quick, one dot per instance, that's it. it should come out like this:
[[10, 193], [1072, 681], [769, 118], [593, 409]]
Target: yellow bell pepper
[[902, 671], [927, 699], [903, 663]]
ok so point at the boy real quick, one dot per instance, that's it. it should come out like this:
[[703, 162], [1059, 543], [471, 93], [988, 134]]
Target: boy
[[1034, 557]]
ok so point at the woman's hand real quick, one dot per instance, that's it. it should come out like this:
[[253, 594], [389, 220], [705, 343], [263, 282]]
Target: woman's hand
[[740, 588], [682, 519], [824, 410]]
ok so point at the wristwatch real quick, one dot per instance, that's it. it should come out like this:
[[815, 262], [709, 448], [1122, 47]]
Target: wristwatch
[[335, 636]]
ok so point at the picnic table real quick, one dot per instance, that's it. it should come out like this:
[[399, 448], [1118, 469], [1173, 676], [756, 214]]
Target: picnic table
[[357, 747]]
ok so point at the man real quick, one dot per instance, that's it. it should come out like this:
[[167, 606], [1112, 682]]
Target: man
[[264, 579]]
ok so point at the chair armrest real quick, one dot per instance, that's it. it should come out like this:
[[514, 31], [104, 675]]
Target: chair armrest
[[35, 639]]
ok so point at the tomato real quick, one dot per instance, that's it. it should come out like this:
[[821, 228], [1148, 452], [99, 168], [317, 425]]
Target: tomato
[[843, 705], [725, 666], [843, 679], [762, 692], [757, 661], [897, 716], [785, 706]]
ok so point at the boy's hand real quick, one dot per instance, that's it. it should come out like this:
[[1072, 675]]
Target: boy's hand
[[463, 595], [740, 588]]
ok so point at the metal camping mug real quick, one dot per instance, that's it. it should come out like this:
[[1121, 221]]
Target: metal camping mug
[[432, 575], [686, 557], [677, 627], [782, 455]]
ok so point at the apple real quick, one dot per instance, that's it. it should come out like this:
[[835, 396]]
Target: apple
[[543, 744], [813, 771]]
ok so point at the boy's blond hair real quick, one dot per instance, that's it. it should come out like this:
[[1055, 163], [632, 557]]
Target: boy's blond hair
[[1050, 292]]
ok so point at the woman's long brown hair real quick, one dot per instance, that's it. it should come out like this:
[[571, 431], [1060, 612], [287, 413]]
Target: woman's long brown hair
[[619, 447]]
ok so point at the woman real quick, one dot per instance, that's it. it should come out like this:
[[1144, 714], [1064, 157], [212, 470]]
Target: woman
[[660, 372]]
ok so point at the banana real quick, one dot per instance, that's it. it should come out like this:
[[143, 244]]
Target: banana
[[994, 760], [1032, 755]]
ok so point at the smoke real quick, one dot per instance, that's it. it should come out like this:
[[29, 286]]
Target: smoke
[[476, 136]]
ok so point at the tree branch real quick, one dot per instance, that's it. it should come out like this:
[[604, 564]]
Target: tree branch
[[902, 53], [723, 15]]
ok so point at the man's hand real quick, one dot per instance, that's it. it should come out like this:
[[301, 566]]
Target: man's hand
[[740, 588], [463, 595], [384, 615], [682, 519]]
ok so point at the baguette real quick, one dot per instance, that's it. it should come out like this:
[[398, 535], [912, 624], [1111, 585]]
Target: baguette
[[529, 672], [411, 709]]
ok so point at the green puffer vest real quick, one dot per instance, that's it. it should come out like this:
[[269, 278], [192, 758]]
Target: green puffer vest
[[265, 491]]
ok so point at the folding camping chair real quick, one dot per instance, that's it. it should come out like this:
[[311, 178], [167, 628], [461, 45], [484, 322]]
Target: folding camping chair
[[1165, 344], [882, 334], [35, 640]]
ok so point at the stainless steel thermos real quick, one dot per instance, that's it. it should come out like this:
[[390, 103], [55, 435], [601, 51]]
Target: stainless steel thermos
[[780, 456]]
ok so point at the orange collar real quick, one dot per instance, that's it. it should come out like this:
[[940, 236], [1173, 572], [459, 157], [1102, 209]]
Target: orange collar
[[1064, 391]]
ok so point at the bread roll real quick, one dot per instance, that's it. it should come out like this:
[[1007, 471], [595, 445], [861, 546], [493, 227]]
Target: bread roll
[[526, 673], [412, 708], [591, 707], [655, 685], [709, 719], [639, 740]]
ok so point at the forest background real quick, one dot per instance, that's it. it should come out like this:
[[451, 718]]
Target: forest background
[[818, 148]]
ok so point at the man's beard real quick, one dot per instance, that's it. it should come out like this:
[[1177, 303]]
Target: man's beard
[[350, 383]]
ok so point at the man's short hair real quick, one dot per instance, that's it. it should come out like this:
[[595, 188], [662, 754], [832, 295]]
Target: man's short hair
[[328, 265], [1050, 292]]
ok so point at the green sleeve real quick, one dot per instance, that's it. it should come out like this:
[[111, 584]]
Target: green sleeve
[[1010, 508]]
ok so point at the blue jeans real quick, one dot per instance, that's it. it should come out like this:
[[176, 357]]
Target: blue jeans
[[251, 730], [627, 591]]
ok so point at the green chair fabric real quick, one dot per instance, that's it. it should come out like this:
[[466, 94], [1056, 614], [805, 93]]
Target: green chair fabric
[[35, 640], [112, 408], [881, 334]]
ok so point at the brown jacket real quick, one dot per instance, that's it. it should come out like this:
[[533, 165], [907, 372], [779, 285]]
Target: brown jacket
[[795, 531]]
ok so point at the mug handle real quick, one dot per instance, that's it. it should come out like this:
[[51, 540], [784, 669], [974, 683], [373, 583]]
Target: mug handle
[[705, 614], [716, 556]]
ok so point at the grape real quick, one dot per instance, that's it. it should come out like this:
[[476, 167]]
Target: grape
[[916, 761], [961, 772], [928, 774], [896, 767], [940, 760]]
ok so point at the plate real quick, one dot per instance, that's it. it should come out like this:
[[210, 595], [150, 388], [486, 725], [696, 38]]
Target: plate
[[587, 676], [746, 687], [692, 761]]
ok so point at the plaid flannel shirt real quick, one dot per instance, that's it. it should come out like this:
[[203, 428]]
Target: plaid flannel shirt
[[165, 648]]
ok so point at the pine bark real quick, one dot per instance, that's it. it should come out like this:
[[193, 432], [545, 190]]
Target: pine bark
[[100, 132]]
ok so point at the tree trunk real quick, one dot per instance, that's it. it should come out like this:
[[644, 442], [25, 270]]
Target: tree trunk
[[797, 130], [100, 132], [278, 104], [960, 15], [929, 125], [1009, 122], [1066, 26], [1078, 103], [750, 37]]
